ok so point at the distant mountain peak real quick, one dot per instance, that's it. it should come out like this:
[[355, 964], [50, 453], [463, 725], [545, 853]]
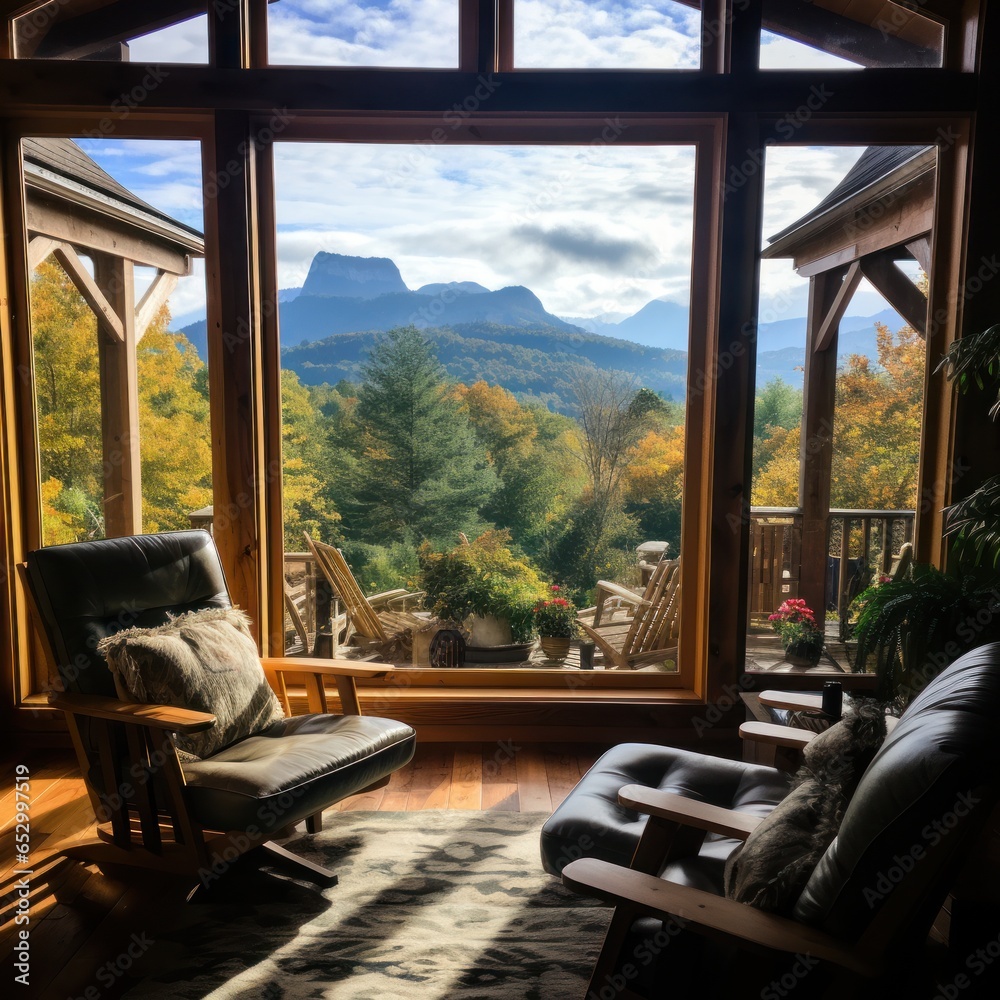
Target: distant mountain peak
[[352, 277], [439, 287]]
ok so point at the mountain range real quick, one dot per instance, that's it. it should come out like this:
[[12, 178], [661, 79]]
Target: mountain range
[[506, 336]]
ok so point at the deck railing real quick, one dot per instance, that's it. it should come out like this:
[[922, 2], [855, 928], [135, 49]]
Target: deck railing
[[861, 547]]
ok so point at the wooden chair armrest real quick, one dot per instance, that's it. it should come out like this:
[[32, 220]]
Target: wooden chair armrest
[[792, 700], [623, 593], [174, 720], [333, 668], [688, 812], [779, 736], [718, 915], [386, 597]]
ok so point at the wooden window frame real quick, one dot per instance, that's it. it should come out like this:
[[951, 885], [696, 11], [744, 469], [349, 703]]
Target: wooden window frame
[[223, 103]]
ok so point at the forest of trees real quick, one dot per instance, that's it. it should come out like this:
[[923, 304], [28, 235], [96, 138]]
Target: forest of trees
[[406, 455]]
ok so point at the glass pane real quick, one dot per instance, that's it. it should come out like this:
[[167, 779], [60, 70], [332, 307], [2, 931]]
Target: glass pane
[[847, 34], [363, 33], [585, 34], [80, 29], [820, 202], [464, 330], [121, 394]]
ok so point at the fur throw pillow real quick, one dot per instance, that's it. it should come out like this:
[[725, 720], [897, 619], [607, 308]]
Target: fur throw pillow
[[771, 868], [205, 661]]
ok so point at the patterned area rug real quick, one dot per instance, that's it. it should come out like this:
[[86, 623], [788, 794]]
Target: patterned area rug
[[430, 905]]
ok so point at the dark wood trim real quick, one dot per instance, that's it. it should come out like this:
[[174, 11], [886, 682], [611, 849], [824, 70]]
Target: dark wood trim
[[976, 453], [235, 362], [940, 473], [273, 641], [26, 85], [741, 184]]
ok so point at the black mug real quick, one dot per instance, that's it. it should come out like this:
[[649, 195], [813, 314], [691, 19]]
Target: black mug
[[833, 699]]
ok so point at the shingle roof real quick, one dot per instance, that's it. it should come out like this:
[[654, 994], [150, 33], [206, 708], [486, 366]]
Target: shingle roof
[[874, 163], [65, 158]]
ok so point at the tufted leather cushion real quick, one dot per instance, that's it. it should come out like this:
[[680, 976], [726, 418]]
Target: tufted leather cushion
[[591, 823], [919, 801], [105, 586], [293, 769]]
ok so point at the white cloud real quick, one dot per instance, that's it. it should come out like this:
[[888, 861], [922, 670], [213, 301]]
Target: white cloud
[[343, 33], [588, 230], [588, 34], [186, 42]]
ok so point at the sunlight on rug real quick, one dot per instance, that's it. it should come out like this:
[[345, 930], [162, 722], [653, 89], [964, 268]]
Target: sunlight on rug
[[431, 905]]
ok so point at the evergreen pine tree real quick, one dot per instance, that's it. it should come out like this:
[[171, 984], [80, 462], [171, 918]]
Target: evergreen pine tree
[[421, 473]]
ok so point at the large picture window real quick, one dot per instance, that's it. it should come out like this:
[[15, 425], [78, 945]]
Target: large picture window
[[485, 346]]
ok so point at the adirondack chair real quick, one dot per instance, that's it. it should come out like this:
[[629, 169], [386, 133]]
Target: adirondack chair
[[649, 634], [382, 624]]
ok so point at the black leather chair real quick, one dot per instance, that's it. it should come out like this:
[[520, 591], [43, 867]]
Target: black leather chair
[[192, 818], [865, 912]]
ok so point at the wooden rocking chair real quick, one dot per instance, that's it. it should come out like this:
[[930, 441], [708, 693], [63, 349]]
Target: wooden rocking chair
[[650, 634], [382, 624]]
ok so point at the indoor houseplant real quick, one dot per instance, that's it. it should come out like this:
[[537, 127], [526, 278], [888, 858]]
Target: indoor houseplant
[[555, 622], [910, 629], [800, 633]]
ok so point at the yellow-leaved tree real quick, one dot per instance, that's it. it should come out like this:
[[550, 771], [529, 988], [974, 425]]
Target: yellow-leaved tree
[[876, 434]]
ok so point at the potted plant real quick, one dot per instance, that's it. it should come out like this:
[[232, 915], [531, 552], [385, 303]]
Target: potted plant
[[910, 629], [800, 633], [485, 589], [555, 622]]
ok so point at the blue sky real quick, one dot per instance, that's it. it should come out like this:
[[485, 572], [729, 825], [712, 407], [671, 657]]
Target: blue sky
[[592, 232], [547, 33]]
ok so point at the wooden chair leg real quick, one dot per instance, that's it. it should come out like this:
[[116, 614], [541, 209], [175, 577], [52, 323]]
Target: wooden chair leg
[[614, 940], [314, 823], [294, 864]]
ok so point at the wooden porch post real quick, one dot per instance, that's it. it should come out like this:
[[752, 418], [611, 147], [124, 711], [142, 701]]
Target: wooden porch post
[[819, 393], [119, 399]]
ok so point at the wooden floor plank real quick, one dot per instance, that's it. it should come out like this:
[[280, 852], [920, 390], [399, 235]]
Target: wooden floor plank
[[532, 782], [467, 781], [500, 779], [433, 767], [563, 772], [397, 792]]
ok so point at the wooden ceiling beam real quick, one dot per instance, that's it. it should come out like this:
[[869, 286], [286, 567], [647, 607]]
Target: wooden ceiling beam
[[58, 84], [842, 36], [63, 222], [153, 300], [921, 250], [38, 249], [897, 289], [830, 323], [108, 319], [75, 34]]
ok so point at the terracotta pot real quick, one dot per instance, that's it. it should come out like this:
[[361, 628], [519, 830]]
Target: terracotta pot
[[554, 647]]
